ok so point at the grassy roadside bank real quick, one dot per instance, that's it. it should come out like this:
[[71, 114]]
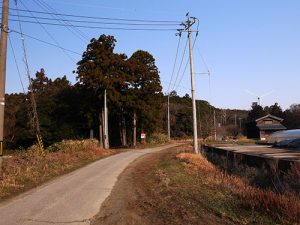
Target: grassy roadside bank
[[175, 187], [235, 199], [28, 169]]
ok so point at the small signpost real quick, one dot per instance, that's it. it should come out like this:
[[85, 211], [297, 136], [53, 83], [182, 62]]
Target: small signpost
[[143, 137]]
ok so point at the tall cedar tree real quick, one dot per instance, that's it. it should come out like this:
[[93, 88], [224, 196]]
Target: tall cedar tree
[[132, 85], [101, 68], [145, 90]]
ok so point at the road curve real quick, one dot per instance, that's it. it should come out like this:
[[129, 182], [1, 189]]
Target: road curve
[[73, 198]]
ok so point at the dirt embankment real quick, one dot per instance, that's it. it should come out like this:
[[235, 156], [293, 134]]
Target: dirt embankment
[[167, 188], [136, 198]]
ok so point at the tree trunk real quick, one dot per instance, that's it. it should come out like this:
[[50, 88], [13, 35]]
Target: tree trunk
[[134, 129]]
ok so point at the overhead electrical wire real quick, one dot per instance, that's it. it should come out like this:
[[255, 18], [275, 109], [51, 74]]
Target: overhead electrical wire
[[180, 65], [75, 31], [94, 22], [99, 18], [209, 79], [96, 27], [34, 117], [49, 34], [186, 64], [182, 87], [203, 60], [45, 42], [175, 61], [17, 66]]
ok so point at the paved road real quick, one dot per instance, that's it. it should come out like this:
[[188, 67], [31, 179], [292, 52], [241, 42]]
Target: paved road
[[71, 199]]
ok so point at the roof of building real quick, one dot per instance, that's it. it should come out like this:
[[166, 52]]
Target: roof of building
[[271, 127], [269, 116], [284, 135]]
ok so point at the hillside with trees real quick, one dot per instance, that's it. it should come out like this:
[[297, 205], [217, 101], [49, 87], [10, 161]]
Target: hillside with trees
[[134, 93]]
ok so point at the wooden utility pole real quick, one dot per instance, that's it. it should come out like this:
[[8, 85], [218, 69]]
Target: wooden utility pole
[[3, 52]]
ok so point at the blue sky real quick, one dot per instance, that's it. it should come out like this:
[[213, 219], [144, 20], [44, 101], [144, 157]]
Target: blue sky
[[247, 45]]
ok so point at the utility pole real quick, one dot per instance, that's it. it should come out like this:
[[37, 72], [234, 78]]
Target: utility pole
[[169, 131], [100, 130], [215, 128], [3, 52], [106, 142], [134, 129], [188, 28], [235, 122]]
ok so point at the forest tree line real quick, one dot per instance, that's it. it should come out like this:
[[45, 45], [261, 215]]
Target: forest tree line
[[134, 92]]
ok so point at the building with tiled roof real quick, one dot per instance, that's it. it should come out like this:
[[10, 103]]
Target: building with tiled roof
[[262, 127]]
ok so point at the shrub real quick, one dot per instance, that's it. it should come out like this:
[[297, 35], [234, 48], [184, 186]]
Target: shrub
[[158, 138]]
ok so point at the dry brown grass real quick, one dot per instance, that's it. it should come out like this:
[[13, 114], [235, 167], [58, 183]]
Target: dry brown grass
[[284, 208], [27, 169]]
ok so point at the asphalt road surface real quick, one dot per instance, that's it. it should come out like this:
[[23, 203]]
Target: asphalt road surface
[[73, 198]]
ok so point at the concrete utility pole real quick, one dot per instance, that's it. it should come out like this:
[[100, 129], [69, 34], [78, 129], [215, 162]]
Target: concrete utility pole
[[169, 131], [100, 130], [106, 142], [134, 129], [3, 52], [188, 28], [215, 127], [235, 122]]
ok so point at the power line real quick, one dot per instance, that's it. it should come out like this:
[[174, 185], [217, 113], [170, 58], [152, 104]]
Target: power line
[[96, 27], [203, 60], [183, 55], [49, 34], [45, 42], [17, 66], [181, 87], [78, 33], [186, 64], [99, 18], [185, 67], [175, 61], [94, 22]]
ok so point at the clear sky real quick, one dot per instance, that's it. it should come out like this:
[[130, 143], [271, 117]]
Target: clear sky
[[249, 45]]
